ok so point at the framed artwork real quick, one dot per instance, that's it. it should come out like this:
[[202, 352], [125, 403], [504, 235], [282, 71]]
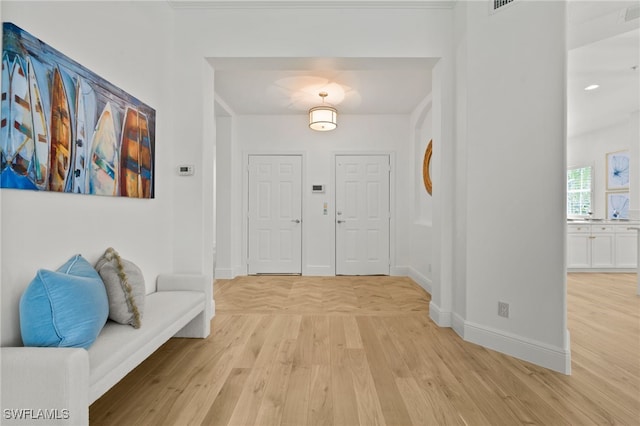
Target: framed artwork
[[617, 205], [618, 170], [65, 129], [426, 168]]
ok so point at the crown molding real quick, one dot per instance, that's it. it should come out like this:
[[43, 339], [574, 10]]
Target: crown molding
[[312, 4]]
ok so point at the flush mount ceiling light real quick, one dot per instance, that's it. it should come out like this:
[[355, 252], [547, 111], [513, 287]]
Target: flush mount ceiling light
[[591, 87], [324, 117]]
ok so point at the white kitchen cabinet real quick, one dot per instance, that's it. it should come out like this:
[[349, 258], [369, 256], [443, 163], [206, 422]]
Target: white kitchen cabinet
[[626, 247], [579, 246], [601, 247]]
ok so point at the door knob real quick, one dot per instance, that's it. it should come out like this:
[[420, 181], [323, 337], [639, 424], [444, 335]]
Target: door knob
[[341, 221], [295, 220]]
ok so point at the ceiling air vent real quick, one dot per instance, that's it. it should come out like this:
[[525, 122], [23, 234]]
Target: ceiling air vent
[[498, 4]]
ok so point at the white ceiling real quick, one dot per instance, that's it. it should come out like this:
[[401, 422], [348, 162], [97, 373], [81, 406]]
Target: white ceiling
[[607, 63], [292, 85], [603, 49]]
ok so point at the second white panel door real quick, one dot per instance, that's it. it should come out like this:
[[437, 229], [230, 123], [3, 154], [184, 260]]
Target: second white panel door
[[362, 214], [275, 214]]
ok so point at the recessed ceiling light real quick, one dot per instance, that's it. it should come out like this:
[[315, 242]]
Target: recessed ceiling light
[[592, 87]]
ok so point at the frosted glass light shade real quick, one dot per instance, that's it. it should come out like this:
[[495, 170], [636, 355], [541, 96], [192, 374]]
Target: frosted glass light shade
[[323, 118]]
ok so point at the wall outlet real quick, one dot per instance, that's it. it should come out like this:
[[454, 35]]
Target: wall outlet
[[503, 309]]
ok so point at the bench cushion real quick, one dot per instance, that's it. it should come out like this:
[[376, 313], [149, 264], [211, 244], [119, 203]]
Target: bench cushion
[[120, 348]]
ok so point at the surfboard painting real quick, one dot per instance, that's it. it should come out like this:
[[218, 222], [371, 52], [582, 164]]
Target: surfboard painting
[[40, 131], [103, 172], [60, 135], [135, 169], [65, 129], [85, 123]]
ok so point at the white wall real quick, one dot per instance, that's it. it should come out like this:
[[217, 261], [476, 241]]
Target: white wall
[[591, 149], [421, 224], [42, 230], [511, 85], [461, 158], [273, 32], [355, 134], [224, 265]]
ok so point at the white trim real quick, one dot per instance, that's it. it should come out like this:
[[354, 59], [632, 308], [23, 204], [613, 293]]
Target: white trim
[[213, 308], [240, 270], [301, 4], [458, 325], [542, 354], [224, 273], [604, 270], [223, 104], [567, 345], [441, 318], [318, 270], [399, 271], [420, 279]]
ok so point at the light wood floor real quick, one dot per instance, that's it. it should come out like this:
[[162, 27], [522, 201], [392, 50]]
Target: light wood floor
[[362, 351]]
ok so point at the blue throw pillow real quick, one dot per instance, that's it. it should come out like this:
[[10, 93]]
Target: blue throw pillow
[[64, 308]]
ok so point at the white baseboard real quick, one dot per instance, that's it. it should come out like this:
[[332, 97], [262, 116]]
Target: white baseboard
[[224, 273], [319, 270], [604, 270], [422, 281], [441, 318], [542, 354], [399, 271], [458, 324], [547, 356]]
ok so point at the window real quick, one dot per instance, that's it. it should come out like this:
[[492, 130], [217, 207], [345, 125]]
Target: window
[[579, 191]]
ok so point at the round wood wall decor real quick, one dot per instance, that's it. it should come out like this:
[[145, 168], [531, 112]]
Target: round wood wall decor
[[426, 167]]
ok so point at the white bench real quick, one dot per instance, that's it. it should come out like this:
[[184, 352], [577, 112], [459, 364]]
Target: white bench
[[57, 385]]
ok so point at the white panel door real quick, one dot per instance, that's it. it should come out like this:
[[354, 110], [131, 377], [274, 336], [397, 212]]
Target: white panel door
[[362, 214], [275, 214]]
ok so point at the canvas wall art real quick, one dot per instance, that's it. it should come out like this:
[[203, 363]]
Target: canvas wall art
[[617, 205], [65, 129], [618, 170]]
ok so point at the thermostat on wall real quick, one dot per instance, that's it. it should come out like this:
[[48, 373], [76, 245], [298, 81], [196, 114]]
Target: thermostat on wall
[[317, 188], [185, 170]]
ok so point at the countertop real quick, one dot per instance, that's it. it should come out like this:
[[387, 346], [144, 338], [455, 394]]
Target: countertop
[[603, 221]]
